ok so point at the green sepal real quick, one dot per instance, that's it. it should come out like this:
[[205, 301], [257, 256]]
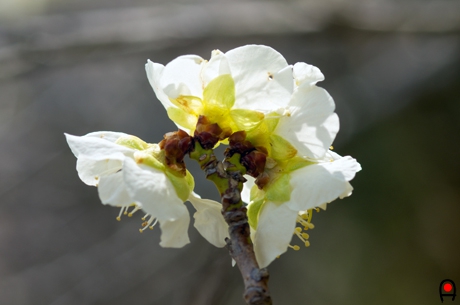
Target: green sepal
[[182, 185], [132, 142], [279, 190], [147, 158], [253, 213]]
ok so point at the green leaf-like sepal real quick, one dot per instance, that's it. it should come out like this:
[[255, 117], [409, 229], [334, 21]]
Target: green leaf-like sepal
[[253, 213], [182, 185], [132, 142], [279, 190]]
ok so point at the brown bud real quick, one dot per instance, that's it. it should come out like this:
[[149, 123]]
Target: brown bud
[[208, 134], [254, 162], [262, 180], [176, 145]]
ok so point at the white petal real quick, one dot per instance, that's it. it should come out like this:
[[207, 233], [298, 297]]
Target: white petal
[[90, 170], [247, 186], [263, 79], [152, 190], [312, 124], [112, 190], [217, 65], [274, 232], [110, 136], [154, 72], [305, 74], [347, 192], [331, 155], [174, 233], [209, 220], [182, 76], [319, 183], [95, 146]]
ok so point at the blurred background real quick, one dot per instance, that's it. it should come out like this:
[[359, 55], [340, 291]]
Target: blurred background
[[76, 66]]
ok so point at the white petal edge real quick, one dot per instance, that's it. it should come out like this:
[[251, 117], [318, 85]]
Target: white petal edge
[[112, 190], [90, 170], [174, 233], [263, 79], [154, 72], [95, 145], [153, 190], [216, 66], [209, 220], [321, 183], [274, 232], [305, 74], [312, 125], [182, 76]]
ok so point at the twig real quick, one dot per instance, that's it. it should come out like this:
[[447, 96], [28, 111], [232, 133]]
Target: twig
[[228, 178]]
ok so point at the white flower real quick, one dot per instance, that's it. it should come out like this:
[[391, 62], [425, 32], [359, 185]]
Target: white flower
[[311, 186], [285, 116], [129, 172], [306, 174], [234, 89]]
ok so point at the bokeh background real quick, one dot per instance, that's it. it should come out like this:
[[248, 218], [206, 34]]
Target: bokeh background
[[76, 66]]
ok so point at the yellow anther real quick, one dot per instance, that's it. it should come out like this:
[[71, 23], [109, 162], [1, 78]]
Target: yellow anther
[[144, 223], [298, 229], [151, 227], [130, 215], [305, 235], [140, 230], [118, 218], [296, 248], [305, 216], [331, 147], [311, 226], [307, 244], [317, 210]]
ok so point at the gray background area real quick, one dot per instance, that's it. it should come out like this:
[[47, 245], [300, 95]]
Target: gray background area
[[393, 68]]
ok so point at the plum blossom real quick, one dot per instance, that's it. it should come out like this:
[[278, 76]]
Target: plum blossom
[[130, 173]]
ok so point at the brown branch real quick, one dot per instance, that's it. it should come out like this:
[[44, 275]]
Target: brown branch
[[240, 246], [229, 181]]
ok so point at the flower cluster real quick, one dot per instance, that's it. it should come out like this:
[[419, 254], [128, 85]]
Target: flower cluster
[[271, 112]]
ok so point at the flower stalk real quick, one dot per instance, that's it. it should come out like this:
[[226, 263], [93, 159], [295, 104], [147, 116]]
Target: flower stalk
[[228, 178]]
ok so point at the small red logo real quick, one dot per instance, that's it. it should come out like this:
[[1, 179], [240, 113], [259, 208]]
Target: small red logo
[[447, 289]]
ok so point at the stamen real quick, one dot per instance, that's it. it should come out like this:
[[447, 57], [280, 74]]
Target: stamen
[[122, 210], [148, 223], [304, 219], [136, 208]]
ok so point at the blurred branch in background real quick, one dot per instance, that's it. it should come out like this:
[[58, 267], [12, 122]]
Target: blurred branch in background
[[164, 22]]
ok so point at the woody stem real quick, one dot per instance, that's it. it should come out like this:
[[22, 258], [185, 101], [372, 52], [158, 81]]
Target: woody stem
[[228, 178]]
